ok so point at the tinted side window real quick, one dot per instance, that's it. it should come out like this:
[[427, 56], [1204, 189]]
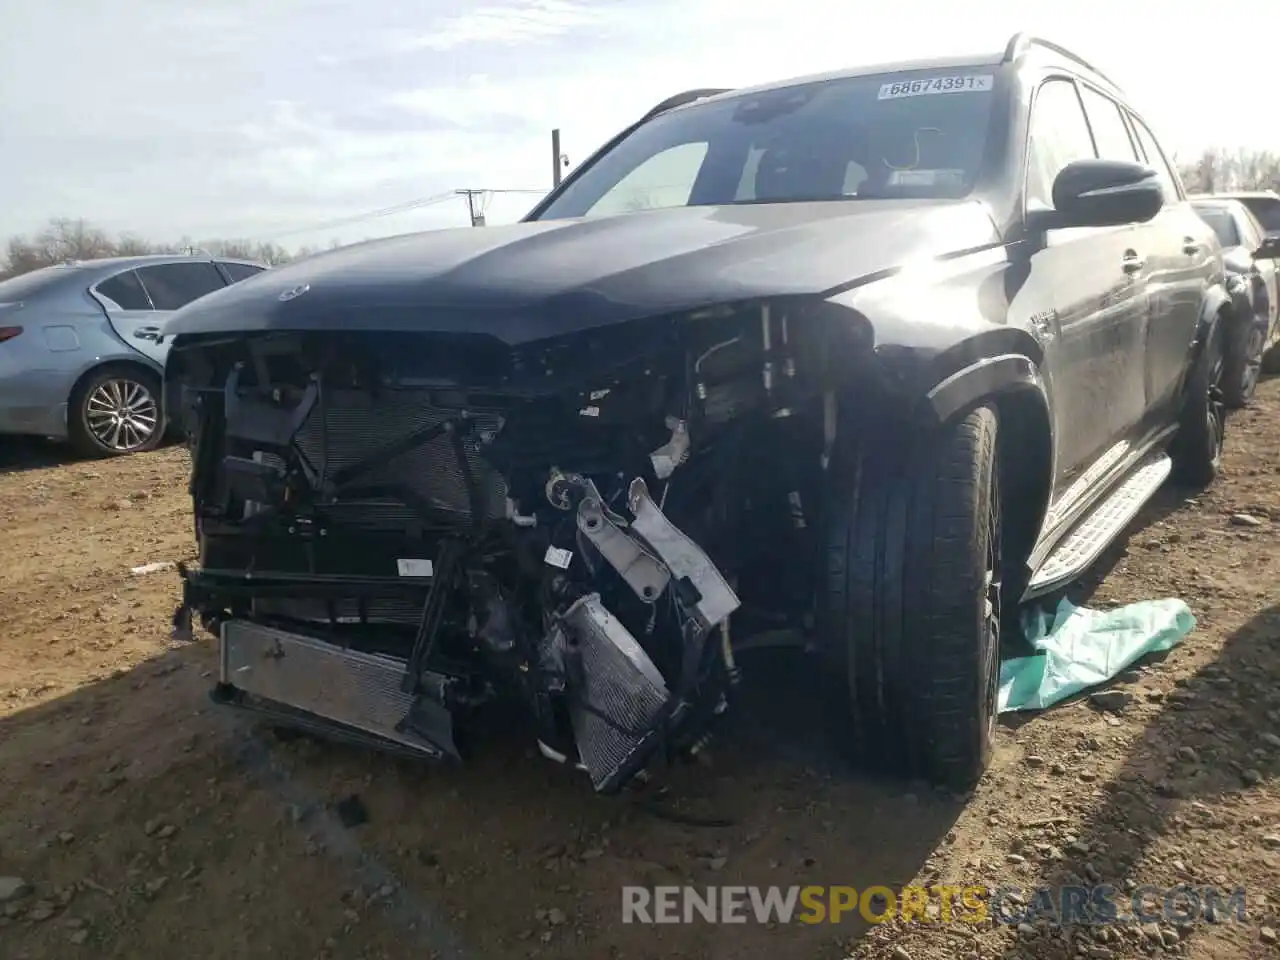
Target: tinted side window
[[1155, 159], [125, 291], [1058, 135], [1247, 228], [174, 285], [1267, 211], [1223, 224], [240, 271], [1109, 130]]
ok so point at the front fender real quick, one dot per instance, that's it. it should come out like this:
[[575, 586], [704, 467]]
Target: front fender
[[990, 377]]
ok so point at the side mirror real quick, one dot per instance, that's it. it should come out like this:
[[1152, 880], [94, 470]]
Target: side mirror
[[1270, 249], [1105, 193]]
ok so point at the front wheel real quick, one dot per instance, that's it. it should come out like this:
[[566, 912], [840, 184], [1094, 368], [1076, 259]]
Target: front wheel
[[114, 412], [1242, 364], [911, 612]]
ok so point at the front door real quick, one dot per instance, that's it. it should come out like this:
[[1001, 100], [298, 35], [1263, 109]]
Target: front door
[[1085, 299]]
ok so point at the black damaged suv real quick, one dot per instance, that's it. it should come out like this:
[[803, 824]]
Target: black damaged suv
[[857, 363]]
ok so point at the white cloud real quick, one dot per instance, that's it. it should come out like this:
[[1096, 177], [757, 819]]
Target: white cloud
[[515, 23]]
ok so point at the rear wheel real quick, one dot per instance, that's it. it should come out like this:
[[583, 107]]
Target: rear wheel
[[912, 608], [1197, 448], [116, 411]]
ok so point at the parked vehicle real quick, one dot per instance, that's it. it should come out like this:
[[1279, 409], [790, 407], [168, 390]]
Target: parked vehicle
[[1250, 257], [1263, 204], [82, 347], [856, 362]]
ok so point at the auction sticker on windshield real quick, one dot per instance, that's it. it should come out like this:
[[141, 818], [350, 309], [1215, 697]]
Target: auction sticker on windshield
[[923, 88]]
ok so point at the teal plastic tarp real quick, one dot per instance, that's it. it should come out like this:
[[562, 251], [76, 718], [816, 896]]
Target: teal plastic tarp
[[1080, 648]]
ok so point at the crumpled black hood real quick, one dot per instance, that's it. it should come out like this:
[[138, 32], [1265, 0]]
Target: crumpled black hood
[[530, 281]]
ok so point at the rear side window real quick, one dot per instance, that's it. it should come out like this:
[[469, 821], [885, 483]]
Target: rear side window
[[1154, 157], [1266, 209], [1109, 130], [1223, 224], [174, 285], [1058, 135], [125, 291], [1247, 227], [240, 271]]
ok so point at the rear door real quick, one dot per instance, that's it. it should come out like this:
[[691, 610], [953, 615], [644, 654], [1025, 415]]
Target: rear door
[[130, 312], [1188, 258], [170, 287]]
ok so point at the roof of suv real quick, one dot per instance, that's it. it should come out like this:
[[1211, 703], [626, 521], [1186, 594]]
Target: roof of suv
[[1020, 47]]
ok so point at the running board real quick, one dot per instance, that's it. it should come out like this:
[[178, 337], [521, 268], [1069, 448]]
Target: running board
[[1090, 537]]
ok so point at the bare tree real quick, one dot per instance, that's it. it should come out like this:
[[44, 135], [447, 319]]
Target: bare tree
[[66, 239], [1218, 171]]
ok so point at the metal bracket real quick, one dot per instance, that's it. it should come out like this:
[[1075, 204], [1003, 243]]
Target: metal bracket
[[642, 571], [686, 561]]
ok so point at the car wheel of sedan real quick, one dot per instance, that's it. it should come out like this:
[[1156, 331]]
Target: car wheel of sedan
[[114, 412], [911, 612], [1197, 448]]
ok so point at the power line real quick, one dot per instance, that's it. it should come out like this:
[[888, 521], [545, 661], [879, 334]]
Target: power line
[[418, 204], [369, 215]]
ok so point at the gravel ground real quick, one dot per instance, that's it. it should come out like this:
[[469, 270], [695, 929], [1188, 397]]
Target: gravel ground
[[145, 822]]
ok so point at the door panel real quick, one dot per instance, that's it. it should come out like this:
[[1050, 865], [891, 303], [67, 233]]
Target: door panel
[[1093, 355], [1084, 298], [1186, 256], [1140, 258], [130, 313]]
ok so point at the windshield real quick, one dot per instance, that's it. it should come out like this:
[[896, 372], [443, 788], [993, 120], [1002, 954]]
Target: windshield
[[27, 285], [1222, 223], [919, 134]]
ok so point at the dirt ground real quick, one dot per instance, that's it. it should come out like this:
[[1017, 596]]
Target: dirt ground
[[150, 823]]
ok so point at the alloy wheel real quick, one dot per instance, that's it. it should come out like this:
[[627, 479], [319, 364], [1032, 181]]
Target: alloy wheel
[[1216, 409], [121, 414]]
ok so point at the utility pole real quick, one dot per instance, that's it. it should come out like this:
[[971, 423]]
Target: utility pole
[[555, 157], [477, 219]]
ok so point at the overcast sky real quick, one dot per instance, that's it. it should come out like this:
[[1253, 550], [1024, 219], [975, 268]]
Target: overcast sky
[[232, 118]]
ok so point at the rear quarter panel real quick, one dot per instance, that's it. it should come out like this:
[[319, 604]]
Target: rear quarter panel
[[64, 336]]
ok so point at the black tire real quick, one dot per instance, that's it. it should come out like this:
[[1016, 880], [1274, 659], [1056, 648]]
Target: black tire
[[1271, 360], [910, 617], [1242, 363], [85, 412], [1197, 448]]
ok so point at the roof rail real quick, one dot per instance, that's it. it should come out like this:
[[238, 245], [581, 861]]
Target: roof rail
[[680, 99], [1019, 43]]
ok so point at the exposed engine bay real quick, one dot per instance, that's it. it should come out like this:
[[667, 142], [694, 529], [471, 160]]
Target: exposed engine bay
[[397, 529]]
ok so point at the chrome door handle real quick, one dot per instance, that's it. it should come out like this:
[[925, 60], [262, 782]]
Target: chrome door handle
[[1132, 263], [147, 333]]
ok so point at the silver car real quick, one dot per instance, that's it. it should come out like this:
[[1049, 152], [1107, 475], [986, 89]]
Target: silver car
[[82, 348]]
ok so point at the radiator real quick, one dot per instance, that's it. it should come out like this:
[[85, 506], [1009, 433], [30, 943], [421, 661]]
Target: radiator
[[347, 687]]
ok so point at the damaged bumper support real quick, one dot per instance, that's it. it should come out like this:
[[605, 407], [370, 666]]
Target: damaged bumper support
[[620, 708]]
